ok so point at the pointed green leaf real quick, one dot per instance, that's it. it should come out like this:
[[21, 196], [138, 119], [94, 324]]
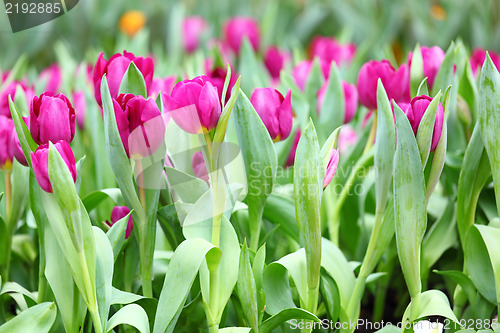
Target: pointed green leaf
[[116, 235], [332, 113], [247, 290], [133, 315], [426, 129], [37, 319], [133, 82], [416, 70], [27, 143], [283, 316]]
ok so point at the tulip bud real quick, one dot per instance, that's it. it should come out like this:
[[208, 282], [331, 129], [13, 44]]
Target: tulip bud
[[18, 151], [6, 143], [11, 90], [80, 108], [331, 167], [53, 76], [140, 125], [347, 138], [117, 214], [194, 105], [350, 98], [274, 110], [40, 162], [199, 166], [52, 118], [328, 50], [432, 58], [115, 68], [274, 60], [237, 28], [477, 59], [396, 83], [301, 72], [415, 111], [192, 30]]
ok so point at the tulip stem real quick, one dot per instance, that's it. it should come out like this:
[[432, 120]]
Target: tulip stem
[[371, 136], [8, 194], [334, 215], [255, 219]]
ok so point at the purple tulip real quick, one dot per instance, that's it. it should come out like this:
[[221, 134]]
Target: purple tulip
[[237, 28], [164, 85], [18, 151], [40, 162], [415, 111], [293, 150], [301, 72], [351, 100], [331, 168], [53, 76], [396, 83], [140, 125], [329, 49], [115, 68], [274, 60], [80, 108], [274, 110], [432, 57], [194, 105], [347, 138], [11, 90], [217, 76], [192, 30], [199, 166], [479, 55], [52, 118], [6, 143], [117, 214]]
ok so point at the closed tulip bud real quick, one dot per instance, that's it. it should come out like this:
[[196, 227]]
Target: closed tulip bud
[[53, 77], [301, 72], [237, 28], [40, 162], [274, 60], [192, 30], [477, 59], [80, 108], [274, 110], [52, 118], [115, 69], [194, 105], [396, 83], [11, 90], [6, 143], [18, 151], [199, 166], [416, 110], [117, 214], [432, 58], [331, 167], [140, 125], [329, 49], [350, 98]]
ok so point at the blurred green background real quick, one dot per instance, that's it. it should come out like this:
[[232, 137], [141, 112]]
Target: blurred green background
[[92, 26]]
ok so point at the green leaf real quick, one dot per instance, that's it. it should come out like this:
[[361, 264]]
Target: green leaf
[[220, 130], [122, 297], [17, 71], [423, 88], [92, 200], [409, 202], [27, 143], [468, 90], [283, 316], [331, 296], [276, 285], [37, 319], [17, 292], [247, 290], [251, 68], [182, 270], [385, 147], [445, 74], [188, 188], [437, 161], [300, 104], [416, 70], [281, 211], [235, 330], [133, 315], [104, 273], [462, 280], [489, 119], [133, 82], [313, 84], [309, 175], [116, 235], [426, 129], [432, 303], [332, 112]]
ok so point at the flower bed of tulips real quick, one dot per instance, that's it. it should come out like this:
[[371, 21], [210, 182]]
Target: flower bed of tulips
[[253, 189]]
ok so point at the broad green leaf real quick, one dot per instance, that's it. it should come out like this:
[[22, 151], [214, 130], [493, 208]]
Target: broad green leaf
[[385, 147], [188, 188], [182, 270], [27, 143], [37, 319], [410, 213], [489, 119], [462, 280], [283, 316], [479, 265], [331, 296], [332, 112], [426, 129], [133, 315], [21, 102], [104, 273], [251, 68], [247, 290], [116, 235], [432, 303], [122, 297], [309, 175], [92, 200], [468, 90], [133, 82], [416, 70], [313, 84]]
